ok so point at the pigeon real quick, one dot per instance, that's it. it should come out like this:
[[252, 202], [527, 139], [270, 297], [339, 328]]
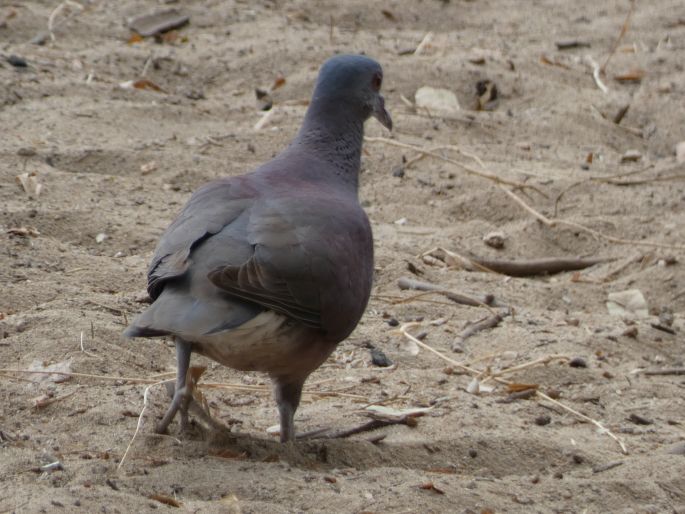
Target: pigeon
[[270, 270]]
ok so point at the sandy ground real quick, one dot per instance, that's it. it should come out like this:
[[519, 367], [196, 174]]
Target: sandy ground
[[66, 292]]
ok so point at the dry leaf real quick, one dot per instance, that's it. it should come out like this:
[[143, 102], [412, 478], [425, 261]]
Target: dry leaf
[[627, 304], [436, 100], [227, 453], [135, 38], [389, 15], [430, 486], [515, 388], [166, 500], [444, 470], [64, 367], [23, 231], [147, 84], [279, 82], [634, 75], [388, 413], [148, 167], [29, 182]]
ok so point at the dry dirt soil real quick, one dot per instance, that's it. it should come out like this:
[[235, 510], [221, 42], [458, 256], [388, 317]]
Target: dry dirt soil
[[73, 259]]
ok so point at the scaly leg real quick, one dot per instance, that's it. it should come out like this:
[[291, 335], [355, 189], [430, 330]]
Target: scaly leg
[[287, 394], [182, 395]]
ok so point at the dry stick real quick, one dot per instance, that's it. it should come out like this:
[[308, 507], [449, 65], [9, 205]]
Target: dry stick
[[595, 73], [140, 419], [365, 427], [57, 10], [468, 169], [409, 283], [599, 425], [597, 179], [624, 29], [474, 328], [531, 267], [664, 178], [81, 375], [552, 223], [396, 300], [665, 371], [403, 330]]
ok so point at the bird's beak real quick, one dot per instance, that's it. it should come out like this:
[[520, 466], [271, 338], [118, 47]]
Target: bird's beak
[[381, 114]]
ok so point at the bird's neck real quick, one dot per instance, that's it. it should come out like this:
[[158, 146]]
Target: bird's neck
[[335, 135]]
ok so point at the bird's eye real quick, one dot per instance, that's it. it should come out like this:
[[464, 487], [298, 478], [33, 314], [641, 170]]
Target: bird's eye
[[377, 81]]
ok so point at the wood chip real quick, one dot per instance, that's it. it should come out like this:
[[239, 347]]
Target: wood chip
[[158, 22]]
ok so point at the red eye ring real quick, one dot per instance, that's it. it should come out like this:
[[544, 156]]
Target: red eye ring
[[377, 81]]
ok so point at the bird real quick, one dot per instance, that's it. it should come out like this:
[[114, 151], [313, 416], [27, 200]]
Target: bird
[[269, 271]]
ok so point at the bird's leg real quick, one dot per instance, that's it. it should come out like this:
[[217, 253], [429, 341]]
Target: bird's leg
[[182, 395], [287, 393]]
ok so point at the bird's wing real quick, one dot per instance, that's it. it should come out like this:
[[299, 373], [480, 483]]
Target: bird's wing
[[299, 260], [209, 210]]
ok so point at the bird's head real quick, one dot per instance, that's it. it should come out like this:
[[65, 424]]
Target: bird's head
[[353, 81]]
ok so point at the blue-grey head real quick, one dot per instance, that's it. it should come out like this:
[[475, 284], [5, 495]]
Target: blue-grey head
[[354, 83]]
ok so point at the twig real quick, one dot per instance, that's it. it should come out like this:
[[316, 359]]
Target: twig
[[408, 283], [140, 419], [664, 371], [83, 375], [542, 360], [595, 74], [624, 29], [606, 467], [468, 169], [84, 350], [599, 425], [57, 10], [597, 179], [365, 427], [525, 268], [539, 394], [552, 223], [424, 43], [474, 328]]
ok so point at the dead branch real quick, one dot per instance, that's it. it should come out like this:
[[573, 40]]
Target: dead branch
[[606, 467], [538, 394], [624, 29], [365, 427], [599, 425], [554, 222], [664, 371], [520, 268], [474, 328], [409, 283], [468, 169]]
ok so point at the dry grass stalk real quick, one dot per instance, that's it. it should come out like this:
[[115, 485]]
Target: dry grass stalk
[[554, 222], [140, 418], [602, 428], [624, 29], [497, 377], [468, 169]]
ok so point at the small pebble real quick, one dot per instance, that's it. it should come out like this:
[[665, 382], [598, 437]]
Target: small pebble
[[577, 362], [578, 459], [17, 62], [393, 322], [495, 239], [631, 156], [543, 420], [473, 453], [378, 358], [398, 171]]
